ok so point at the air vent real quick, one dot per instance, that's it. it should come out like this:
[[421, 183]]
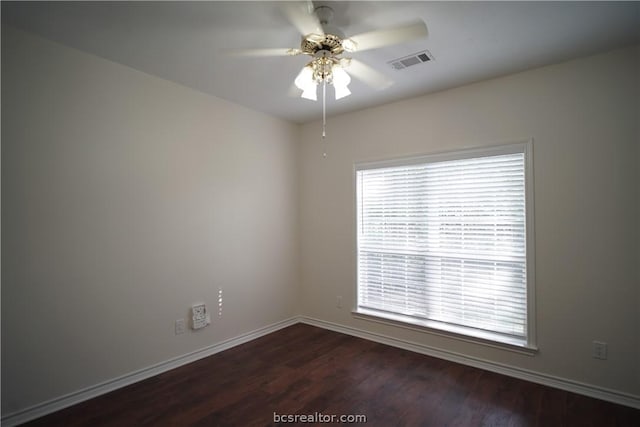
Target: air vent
[[408, 61]]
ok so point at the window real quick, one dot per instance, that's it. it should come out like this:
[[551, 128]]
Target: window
[[444, 242]]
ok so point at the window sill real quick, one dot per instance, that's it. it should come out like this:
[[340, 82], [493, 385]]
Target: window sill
[[449, 331]]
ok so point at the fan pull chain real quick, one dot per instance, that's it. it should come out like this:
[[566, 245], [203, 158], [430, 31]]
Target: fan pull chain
[[324, 117]]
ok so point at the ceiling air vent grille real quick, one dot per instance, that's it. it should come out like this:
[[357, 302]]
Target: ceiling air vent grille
[[408, 61]]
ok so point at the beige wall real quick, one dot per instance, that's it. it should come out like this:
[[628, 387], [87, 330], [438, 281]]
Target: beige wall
[[583, 116], [126, 199]]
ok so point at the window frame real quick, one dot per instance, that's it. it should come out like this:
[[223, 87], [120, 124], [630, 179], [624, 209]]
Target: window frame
[[528, 345]]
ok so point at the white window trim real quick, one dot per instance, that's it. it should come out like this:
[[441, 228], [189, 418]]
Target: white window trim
[[438, 328]]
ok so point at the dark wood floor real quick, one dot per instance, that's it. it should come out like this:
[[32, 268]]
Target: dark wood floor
[[306, 370]]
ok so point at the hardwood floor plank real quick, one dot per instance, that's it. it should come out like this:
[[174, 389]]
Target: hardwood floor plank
[[305, 370]]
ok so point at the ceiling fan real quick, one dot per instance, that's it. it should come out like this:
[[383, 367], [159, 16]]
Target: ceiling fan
[[328, 46]]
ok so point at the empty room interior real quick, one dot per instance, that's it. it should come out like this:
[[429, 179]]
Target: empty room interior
[[261, 213]]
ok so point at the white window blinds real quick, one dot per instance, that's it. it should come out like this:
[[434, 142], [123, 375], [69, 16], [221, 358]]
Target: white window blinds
[[444, 241]]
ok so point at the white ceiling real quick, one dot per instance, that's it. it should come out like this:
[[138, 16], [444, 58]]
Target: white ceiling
[[470, 41]]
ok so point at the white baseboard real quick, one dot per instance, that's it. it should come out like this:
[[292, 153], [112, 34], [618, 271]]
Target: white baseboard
[[524, 374], [70, 399]]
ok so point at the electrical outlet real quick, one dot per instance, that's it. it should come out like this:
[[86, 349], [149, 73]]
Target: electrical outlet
[[180, 326], [339, 302], [599, 350]]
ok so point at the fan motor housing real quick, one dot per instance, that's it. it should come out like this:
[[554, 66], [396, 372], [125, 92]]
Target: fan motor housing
[[314, 43]]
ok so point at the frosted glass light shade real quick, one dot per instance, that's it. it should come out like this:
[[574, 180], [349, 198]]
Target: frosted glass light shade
[[310, 93], [340, 82], [305, 82]]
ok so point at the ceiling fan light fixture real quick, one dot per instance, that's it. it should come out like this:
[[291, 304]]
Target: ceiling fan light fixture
[[341, 82], [341, 91], [304, 78], [310, 93], [306, 83]]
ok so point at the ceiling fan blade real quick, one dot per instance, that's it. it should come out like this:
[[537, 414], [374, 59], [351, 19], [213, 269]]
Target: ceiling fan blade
[[302, 16], [368, 75], [264, 52], [390, 36]]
